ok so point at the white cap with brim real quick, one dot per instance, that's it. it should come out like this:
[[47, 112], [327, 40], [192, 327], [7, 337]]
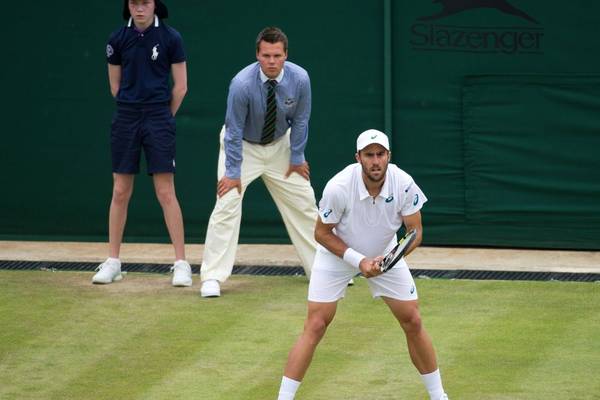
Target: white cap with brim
[[372, 136]]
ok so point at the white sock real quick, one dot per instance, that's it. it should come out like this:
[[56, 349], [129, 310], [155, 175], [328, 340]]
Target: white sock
[[433, 384], [288, 388], [114, 261]]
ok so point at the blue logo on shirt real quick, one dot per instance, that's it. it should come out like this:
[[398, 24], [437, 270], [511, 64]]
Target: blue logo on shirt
[[326, 213], [412, 289], [390, 198], [416, 200]]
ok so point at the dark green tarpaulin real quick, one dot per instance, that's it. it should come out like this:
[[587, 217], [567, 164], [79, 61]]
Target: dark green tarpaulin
[[494, 114]]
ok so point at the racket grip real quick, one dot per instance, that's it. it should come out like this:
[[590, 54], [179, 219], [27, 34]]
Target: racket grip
[[353, 257]]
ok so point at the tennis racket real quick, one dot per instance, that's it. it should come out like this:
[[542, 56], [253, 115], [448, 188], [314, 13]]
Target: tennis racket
[[398, 251]]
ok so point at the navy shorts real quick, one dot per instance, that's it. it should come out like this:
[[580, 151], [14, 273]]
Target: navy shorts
[[149, 126]]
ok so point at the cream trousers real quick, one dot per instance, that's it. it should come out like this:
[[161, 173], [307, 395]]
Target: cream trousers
[[293, 196]]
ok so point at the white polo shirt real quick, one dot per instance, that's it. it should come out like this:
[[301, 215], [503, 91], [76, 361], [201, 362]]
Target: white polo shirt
[[368, 224]]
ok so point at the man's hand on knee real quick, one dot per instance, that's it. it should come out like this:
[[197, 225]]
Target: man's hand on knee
[[226, 184], [302, 169]]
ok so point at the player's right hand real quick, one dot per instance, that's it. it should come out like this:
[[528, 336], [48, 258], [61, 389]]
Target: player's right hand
[[378, 261], [369, 267], [226, 184]]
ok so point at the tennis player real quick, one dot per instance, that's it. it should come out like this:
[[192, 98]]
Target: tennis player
[[362, 208], [142, 55]]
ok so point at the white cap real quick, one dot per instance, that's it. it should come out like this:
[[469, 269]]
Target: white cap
[[372, 136]]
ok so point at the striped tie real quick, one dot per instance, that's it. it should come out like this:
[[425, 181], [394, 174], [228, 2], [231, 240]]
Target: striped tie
[[268, 132]]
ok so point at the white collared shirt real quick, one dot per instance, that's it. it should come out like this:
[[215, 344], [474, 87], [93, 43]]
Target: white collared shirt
[[365, 223]]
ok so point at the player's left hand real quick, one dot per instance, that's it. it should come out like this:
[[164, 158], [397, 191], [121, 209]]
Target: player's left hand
[[302, 169]]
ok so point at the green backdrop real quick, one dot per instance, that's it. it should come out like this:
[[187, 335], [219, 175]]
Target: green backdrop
[[495, 115]]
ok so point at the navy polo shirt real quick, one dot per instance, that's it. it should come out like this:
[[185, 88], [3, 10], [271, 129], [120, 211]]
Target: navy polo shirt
[[145, 59]]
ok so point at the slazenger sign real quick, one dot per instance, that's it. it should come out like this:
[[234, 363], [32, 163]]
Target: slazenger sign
[[430, 36]]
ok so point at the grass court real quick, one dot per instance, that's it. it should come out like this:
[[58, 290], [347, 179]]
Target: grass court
[[63, 338]]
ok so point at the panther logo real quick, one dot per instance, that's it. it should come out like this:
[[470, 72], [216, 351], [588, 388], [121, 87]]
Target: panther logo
[[451, 7]]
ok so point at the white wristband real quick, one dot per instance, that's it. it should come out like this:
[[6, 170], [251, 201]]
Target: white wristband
[[353, 257]]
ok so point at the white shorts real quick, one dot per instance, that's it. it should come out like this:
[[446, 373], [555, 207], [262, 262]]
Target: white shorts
[[330, 275]]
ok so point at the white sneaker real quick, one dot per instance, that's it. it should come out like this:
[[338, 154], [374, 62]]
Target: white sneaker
[[444, 397], [182, 273], [351, 282], [109, 271], [210, 288]]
